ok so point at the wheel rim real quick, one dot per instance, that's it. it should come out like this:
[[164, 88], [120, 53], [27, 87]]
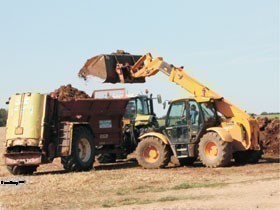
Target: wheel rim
[[151, 154], [84, 150], [211, 150]]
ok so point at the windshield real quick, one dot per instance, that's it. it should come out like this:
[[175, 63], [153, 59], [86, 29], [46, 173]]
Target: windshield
[[177, 113], [142, 106], [130, 110]]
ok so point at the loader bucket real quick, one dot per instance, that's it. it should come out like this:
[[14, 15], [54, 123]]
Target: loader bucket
[[104, 67]]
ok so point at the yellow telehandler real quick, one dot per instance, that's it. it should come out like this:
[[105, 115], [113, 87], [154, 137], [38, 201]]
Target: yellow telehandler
[[207, 126]]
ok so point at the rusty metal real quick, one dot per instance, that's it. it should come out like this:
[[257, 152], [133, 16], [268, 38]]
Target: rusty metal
[[104, 116], [64, 139], [30, 158], [112, 68]]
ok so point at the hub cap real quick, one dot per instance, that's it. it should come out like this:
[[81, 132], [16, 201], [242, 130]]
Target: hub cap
[[84, 150], [211, 150], [151, 154]]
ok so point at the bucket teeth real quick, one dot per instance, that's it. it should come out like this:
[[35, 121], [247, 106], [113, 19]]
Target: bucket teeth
[[113, 68]]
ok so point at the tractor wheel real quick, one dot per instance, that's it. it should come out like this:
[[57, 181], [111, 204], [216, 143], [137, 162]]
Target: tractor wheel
[[22, 170], [151, 153], [213, 151], [82, 155], [187, 161]]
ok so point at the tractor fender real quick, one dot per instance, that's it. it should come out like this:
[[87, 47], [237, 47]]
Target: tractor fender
[[155, 134], [223, 133]]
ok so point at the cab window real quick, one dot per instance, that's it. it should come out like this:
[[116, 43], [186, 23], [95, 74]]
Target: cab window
[[142, 106], [194, 113], [209, 112], [130, 109], [177, 112]]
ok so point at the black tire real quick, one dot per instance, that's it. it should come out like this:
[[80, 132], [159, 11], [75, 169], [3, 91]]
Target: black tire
[[250, 156], [161, 153], [22, 170], [82, 145], [240, 157], [187, 161], [254, 156], [213, 151]]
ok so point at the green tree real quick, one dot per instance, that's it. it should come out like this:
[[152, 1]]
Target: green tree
[[3, 117]]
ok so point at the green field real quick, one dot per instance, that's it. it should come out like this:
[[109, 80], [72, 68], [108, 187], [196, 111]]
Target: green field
[[270, 115]]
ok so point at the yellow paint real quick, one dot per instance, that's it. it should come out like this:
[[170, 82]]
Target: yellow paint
[[241, 120], [25, 124], [155, 134], [151, 154], [211, 150], [142, 119], [223, 133]]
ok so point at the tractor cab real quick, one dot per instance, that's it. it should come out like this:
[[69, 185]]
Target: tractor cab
[[140, 110]]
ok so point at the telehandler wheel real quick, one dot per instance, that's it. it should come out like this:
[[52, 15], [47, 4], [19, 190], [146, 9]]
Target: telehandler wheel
[[240, 157], [83, 151], [213, 151], [22, 170], [250, 156], [151, 152], [254, 156]]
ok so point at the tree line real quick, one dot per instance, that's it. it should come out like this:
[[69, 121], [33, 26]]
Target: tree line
[[269, 113], [3, 117]]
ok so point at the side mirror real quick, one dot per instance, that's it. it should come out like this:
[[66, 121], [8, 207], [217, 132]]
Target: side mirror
[[164, 104], [8, 102], [159, 99]]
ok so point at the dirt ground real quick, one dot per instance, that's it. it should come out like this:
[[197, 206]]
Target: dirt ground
[[127, 186]]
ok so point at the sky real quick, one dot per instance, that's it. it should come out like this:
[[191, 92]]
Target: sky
[[230, 46]]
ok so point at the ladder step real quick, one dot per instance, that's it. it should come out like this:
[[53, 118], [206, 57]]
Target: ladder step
[[183, 156], [181, 149], [63, 139]]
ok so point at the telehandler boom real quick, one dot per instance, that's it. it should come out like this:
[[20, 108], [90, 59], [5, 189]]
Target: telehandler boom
[[208, 124]]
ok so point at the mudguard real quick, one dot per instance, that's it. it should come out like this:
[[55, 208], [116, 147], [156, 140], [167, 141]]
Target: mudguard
[[155, 134], [223, 133]]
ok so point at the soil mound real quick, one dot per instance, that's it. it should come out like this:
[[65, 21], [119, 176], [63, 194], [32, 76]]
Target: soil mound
[[270, 132], [68, 93]]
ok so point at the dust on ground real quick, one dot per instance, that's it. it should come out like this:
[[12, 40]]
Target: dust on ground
[[125, 185]]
